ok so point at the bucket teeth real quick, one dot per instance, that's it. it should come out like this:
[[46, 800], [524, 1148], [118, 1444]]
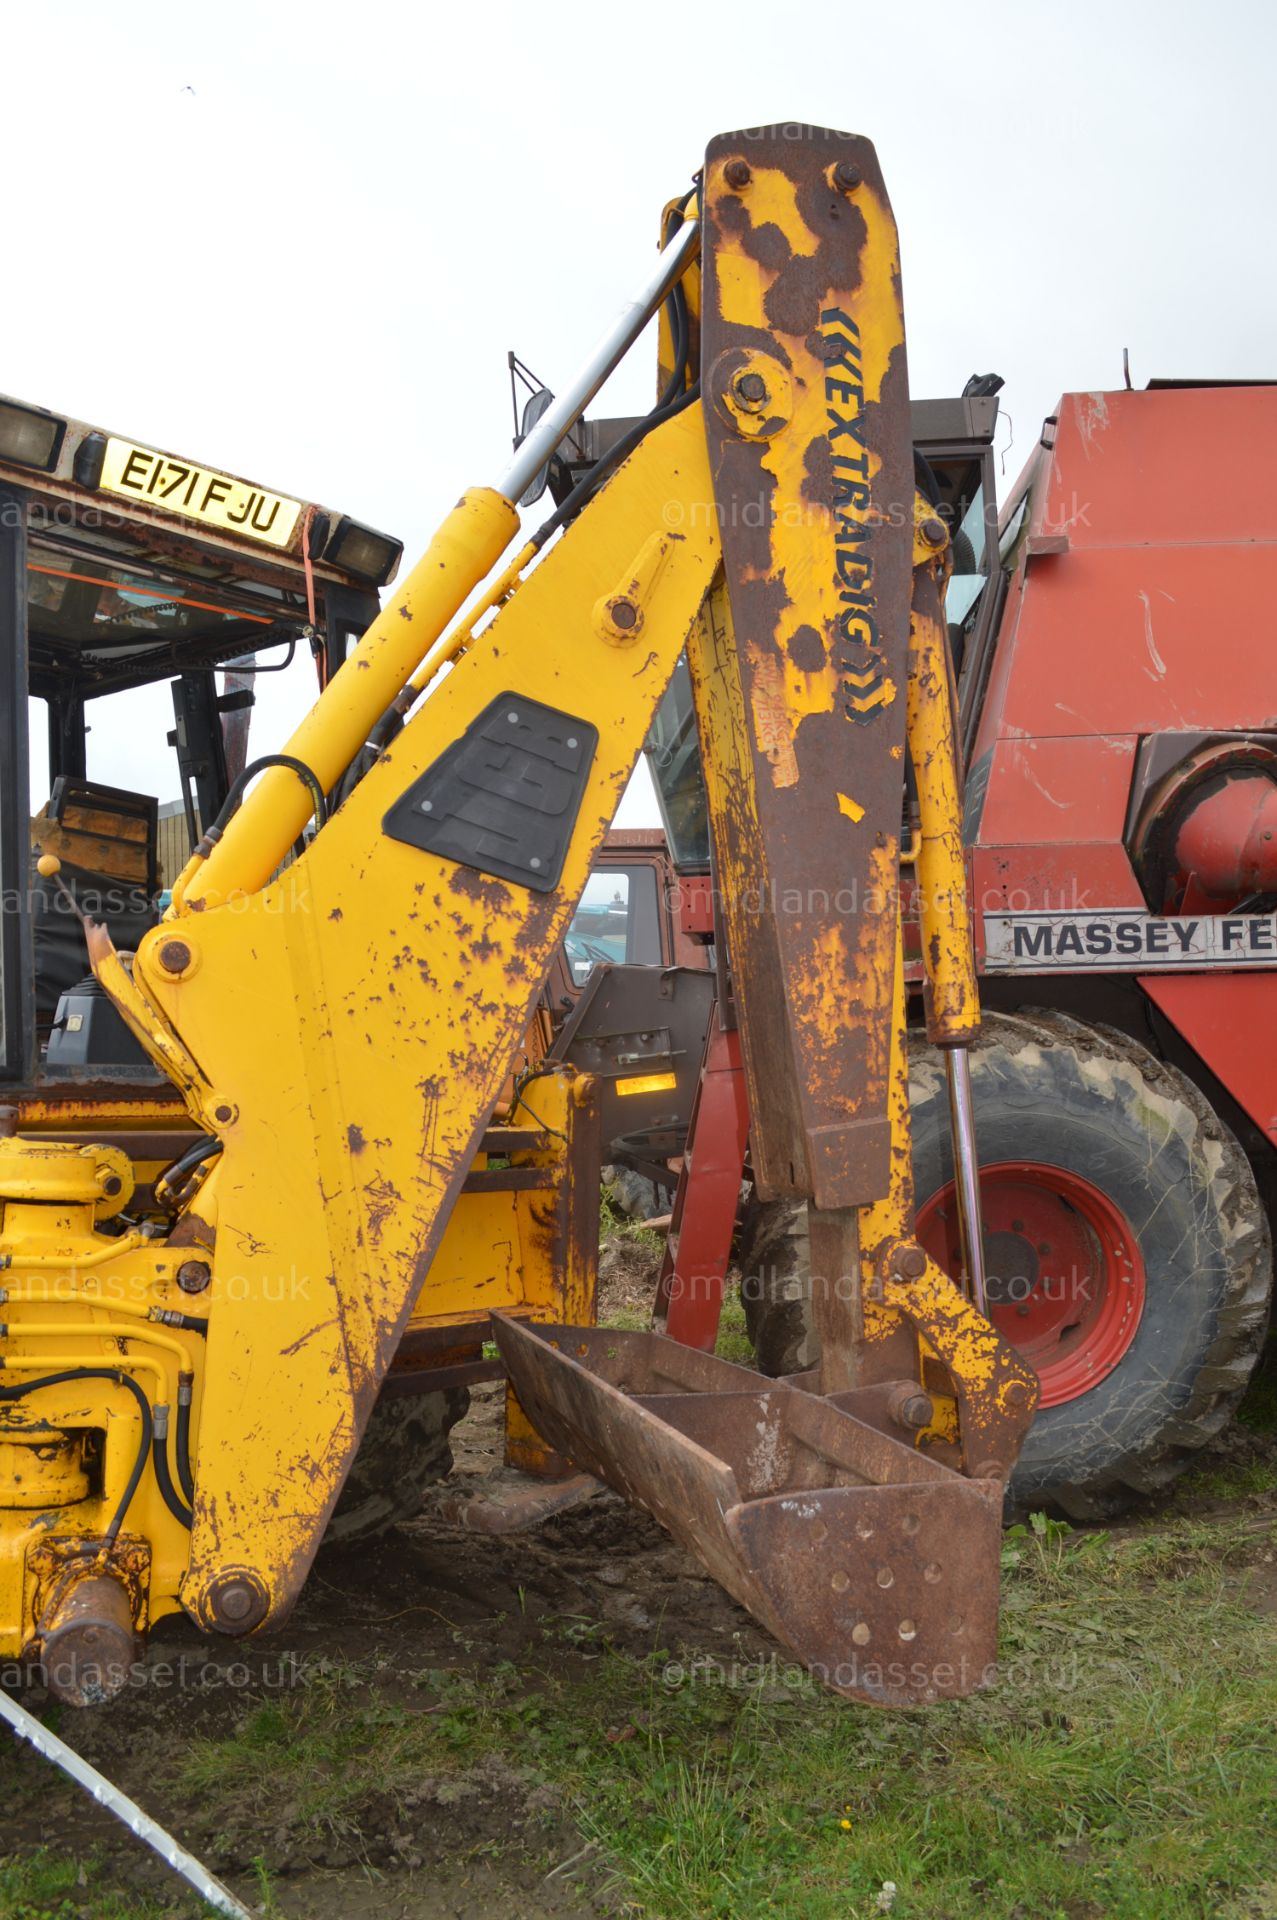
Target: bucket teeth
[[875, 1565]]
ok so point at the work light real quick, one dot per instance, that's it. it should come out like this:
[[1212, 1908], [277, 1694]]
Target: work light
[[30, 437], [358, 550]]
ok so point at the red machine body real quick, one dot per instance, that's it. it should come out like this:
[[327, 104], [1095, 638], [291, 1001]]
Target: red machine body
[[1122, 723]]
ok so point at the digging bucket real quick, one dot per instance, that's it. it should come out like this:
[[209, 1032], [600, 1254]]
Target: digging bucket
[[875, 1565]]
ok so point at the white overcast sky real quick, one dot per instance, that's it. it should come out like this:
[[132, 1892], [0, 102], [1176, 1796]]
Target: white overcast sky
[[295, 241]]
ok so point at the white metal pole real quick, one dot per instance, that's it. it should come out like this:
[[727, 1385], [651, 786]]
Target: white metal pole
[[27, 1727]]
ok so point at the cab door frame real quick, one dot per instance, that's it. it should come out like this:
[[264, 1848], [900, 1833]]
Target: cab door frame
[[17, 992]]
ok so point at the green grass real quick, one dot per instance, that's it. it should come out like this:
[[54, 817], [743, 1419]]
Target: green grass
[[322, 1753], [628, 1319], [733, 1341], [613, 1224], [49, 1886], [1232, 1482], [1125, 1768], [1258, 1410]]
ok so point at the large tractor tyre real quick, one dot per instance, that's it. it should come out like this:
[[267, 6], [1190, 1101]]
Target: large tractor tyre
[[404, 1450], [1127, 1250], [775, 1285]]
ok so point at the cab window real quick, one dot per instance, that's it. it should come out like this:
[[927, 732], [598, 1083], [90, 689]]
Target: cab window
[[617, 921], [970, 561]]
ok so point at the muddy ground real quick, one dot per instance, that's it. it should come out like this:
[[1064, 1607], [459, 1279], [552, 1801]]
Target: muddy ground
[[422, 1601], [425, 1600], [394, 1624]]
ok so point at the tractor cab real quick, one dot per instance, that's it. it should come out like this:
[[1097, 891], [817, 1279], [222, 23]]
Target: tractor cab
[[147, 604]]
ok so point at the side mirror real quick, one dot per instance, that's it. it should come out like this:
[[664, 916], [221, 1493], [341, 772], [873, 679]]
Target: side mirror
[[537, 404]]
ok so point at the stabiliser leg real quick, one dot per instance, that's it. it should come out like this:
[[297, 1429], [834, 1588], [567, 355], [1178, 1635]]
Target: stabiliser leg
[[698, 1249], [857, 1514]]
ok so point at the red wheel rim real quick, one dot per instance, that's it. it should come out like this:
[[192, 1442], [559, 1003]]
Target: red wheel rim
[[1065, 1277]]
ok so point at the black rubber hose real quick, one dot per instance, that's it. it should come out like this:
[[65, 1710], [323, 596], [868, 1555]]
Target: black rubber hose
[[163, 1478], [594, 479], [144, 1408], [680, 339], [679, 318], [204, 1149], [185, 1477], [309, 780]]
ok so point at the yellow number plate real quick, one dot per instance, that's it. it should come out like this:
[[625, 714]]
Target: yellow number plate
[[200, 493]]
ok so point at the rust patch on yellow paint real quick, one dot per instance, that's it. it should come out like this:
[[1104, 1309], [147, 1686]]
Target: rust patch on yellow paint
[[773, 727]]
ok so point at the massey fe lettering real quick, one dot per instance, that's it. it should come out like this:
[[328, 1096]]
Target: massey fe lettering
[[1126, 942], [862, 675]]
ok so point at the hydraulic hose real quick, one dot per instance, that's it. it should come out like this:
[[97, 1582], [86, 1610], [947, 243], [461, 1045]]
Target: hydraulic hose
[[204, 1149], [183, 1437], [22, 1388], [163, 1478], [254, 767], [589, 483]]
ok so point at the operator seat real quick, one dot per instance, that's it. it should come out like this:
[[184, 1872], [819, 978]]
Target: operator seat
[[108, 842]]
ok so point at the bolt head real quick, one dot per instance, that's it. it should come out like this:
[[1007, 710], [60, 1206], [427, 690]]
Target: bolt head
[[751, 388], [910, 1263], [175, 956], [934, 532], [737, 173], [194, 1275], [624, 614], [237, 1601], [848, 176], [224, 1114]]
